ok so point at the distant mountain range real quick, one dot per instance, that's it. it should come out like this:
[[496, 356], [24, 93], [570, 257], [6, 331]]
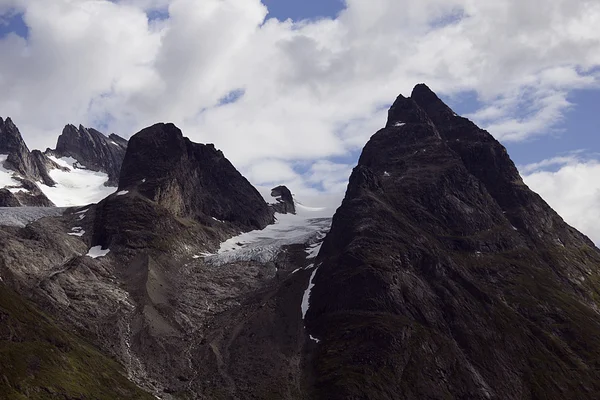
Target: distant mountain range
[[168, 275]]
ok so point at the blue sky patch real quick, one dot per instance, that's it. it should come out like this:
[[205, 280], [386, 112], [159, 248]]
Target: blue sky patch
[[12, 22], [232, 97], [298, 10]]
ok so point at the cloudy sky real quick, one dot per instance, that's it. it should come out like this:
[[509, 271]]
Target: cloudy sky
[[291, 90]]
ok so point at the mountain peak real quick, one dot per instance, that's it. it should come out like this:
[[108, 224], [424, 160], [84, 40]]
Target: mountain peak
[[93, 149], [435, 108], [190, 179], [406, 110], [439, 243], [10, 138]]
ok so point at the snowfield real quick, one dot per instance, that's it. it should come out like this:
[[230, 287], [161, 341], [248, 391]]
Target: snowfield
[[309, 226], [6, 176], [76, 187]]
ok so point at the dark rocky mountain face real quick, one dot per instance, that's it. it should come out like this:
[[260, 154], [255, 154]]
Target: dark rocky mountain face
[[285, 200], [190, 179], [93, 150], [444, 276]]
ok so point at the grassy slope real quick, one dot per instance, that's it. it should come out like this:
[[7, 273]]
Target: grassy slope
[[38, 360]]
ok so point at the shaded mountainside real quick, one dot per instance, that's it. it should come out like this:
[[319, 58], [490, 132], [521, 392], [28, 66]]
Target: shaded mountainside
[[190, 179], [444, 276], [92, 150], [39, 360]]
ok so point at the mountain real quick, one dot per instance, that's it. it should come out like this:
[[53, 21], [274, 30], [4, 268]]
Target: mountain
[[84, 168], [92, 150], [136, 274], [440, 276], [444, 276], [20, 169]]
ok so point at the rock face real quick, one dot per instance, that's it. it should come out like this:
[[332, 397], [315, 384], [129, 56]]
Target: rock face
[[7, 199], [444, 276], [93, 150], [285, 200], [190, 179]]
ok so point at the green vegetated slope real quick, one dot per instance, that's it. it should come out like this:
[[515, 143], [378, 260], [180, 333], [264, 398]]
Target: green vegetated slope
[[38, 360]]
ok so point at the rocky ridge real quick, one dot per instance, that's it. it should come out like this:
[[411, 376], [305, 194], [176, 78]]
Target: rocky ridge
[[92, 150]]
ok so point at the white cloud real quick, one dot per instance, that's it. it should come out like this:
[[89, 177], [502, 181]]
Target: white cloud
[[312, 90], [572, 189]]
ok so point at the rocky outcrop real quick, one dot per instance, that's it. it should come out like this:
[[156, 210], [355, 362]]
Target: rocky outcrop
[[92, 150], [190, 179], [444, 276], [285, 200], [7, 199]]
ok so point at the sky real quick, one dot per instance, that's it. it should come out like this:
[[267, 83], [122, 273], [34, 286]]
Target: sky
[[291, 90]]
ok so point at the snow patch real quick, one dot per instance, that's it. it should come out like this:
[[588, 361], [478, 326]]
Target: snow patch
[[97, 251], [122, 192], [399, 124], [6, 176], [386, 174], [314, 338], [218, 220]]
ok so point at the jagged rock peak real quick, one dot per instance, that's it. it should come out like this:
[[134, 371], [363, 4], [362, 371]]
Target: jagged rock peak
[[190, 179], [10, 138], [435, 108], [93, 150], [285, 200], [29, 165], [405, 110]]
